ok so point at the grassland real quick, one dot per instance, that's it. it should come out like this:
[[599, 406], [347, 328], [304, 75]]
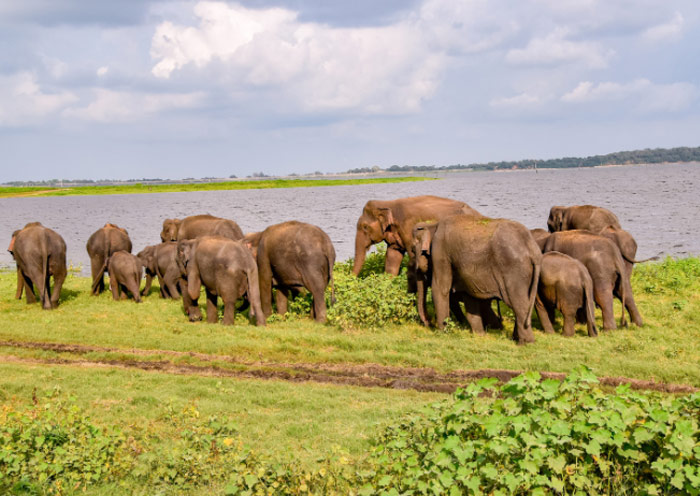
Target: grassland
[[123, 189], [126, 364]]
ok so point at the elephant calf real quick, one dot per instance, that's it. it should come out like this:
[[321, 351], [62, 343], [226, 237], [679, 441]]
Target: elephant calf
[[161, 261], [101, 245], [566, 285], [124, 275], [227, 269], [291, 256], [40, 253]]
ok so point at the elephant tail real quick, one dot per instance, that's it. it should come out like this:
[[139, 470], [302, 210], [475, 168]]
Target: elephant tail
[[589, 304], [632, 260], [44, 290]]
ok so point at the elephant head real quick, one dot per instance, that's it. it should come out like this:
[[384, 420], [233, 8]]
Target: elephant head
[[170, 228], [147, 256], [187, 263], [555, 222], [422, 238], [373, 226]]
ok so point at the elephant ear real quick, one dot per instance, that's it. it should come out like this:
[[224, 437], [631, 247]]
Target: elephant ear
[[386, 218]]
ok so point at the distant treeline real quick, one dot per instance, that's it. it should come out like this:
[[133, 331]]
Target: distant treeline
[[647, 156]]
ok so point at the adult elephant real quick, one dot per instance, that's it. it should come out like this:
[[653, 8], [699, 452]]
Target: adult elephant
[[423, 233], [485, 258], [199, 225], [101, 245], [227, 270], [40, 254], [589, 217], [392, 221], [291, 256], [604, 262]]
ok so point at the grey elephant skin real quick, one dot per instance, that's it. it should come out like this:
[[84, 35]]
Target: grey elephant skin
[[392, 221], [292, 256], [101, 245], [565, 285], [196, 226], [423, 233], [604, 262], [227, 269], [160, 261], [40, 254], [125, 272], [485, 259]]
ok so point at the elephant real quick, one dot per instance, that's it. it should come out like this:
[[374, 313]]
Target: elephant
[[199, 225], [161, 261], [485, 258], [290, 256], [540, 236], [40, 253], [423, 233], [227, 269], [604, 262], [101, 245], [589, 217], [392, 221], [124, 275], [565, 285]]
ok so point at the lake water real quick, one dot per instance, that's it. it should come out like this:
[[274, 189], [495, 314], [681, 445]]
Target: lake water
[[658, 204]]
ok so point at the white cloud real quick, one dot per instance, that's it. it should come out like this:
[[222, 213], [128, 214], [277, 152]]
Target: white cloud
[[386, 69], [520, 100], [668, 31], [646, 96], [555, 49], [24, 102], [117, 106], [102, 71]]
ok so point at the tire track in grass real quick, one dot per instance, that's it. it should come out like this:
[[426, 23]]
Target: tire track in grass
[[364, 375]]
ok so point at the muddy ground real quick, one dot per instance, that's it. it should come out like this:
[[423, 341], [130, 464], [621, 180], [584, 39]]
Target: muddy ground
[[365, 375]]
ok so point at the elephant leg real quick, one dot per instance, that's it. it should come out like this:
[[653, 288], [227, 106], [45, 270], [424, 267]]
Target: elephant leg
[[421, 294], [114, 286], [489, 317], [134, 289], [147, 287], [212, 310], [522, 332], [170, 288], [318, 293], [97, 275], [602, 293], [194, 314], [20, 284], [630, 304], [569, 315], [229, 311], [282, 300], [473, 308], [392, 265], [58, 281], [442, 287], [28, 289], [265, 281], [456, 309], [543, 314]]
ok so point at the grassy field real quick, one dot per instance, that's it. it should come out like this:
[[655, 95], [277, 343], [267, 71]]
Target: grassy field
[[128, 365], [122, 189]]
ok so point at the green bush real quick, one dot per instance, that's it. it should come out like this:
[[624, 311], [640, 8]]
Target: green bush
[[543, 437], [668, 277]]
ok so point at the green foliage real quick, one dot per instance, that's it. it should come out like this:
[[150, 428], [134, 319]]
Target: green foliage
[[670, 277], [534, 436]]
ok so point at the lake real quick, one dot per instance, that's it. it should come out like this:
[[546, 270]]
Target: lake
[[658, 204]]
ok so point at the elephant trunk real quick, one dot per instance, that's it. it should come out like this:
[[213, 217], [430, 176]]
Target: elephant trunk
[[362, 244]]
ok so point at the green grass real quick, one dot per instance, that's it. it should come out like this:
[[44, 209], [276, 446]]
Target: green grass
[[9, 192]]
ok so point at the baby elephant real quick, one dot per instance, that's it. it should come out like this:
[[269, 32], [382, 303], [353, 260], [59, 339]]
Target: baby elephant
[[124, 275], [566, 285]]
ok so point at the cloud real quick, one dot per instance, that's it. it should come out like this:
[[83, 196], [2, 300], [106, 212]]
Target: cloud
[[102, 71], [555, 49], [646, 96], [521, 100], [118, 106], [23, 102], [374, 70], [668, 31]]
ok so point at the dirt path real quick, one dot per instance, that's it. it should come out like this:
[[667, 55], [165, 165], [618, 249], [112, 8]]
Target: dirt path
[[365, 375]]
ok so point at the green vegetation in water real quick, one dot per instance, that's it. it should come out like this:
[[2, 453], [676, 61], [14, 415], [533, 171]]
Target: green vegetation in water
[[123, 189]]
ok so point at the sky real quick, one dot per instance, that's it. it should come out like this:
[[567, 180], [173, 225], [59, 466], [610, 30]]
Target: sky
[[175, 89]]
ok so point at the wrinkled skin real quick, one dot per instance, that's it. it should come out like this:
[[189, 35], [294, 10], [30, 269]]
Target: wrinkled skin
[[125, 272], [485, 259], [101, 245], [227, 270], [565, 285], [292, 256], [40, 253], [423, 233], [199, 225], [393, 221], [540, 236], [161, 261], [604, 262]]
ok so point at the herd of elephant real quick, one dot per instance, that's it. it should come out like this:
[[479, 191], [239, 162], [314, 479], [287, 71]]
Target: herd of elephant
[[584, 258]]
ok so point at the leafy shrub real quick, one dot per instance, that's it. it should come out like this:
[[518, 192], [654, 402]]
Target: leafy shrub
[[543, 437], [668, 277]]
